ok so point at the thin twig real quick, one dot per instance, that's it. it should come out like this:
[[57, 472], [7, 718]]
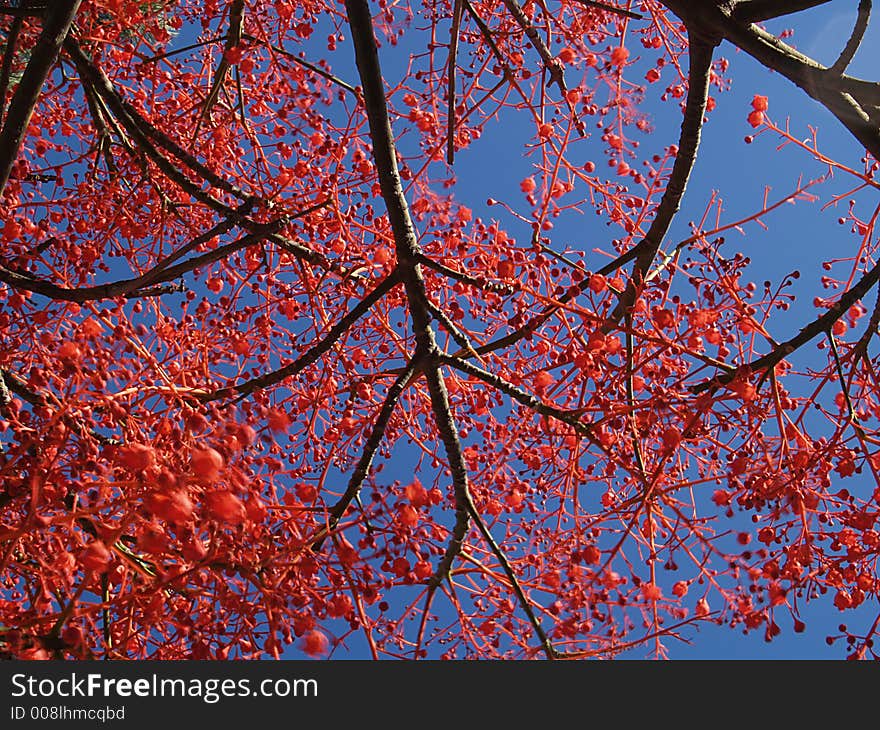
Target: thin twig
[[450, 76]]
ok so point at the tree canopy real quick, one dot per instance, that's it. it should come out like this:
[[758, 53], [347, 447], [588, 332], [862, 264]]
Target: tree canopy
[[271, 375]]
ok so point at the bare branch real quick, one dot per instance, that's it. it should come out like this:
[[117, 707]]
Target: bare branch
[[314, 352], [57, 23], [374, 440], [755, 11], [460, 338], [526, 604], [464, 505], [517, 394], [855, 39], [450, 75]]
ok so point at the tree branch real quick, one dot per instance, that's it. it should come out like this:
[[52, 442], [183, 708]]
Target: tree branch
[[855, 39], [755, 11], [520, 396], [700, 53], [817, 327], [489, 286], [852, 101], [313, 353], [551, 63], [450, 76], [374, 440], [125, 287], [233, 38], [612, 9], [57, 24], [408, 256], [8, 58]]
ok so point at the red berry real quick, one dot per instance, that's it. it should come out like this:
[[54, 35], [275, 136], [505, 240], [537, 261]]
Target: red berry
[[206, 464], [69, 352], [598, 283], [175, 506], [278, 420], [408, 515], [756, 118], [566, 55], [95, 556], [619, 56], [136, 457], [225, 506], [315, 643]]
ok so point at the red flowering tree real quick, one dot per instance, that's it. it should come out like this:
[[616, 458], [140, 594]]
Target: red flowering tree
[[266, 377]]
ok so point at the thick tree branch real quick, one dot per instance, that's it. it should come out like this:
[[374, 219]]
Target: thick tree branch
[[8, 58], [855, 39], [755, 11], [464, 505], [56, 25], [408, 256], [852, 101], [141, 132]]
